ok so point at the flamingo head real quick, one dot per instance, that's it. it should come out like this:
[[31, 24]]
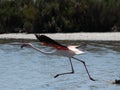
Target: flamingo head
[[26, 45]]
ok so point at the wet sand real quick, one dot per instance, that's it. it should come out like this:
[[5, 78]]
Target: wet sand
[[68, 36]]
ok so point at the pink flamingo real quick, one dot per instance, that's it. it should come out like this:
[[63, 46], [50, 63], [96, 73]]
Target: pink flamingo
[[61, 50]]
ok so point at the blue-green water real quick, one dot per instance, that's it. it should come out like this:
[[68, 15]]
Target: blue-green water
[[27, 69]]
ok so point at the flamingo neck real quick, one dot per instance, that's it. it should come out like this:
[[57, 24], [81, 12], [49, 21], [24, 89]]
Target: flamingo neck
[[37, 49]]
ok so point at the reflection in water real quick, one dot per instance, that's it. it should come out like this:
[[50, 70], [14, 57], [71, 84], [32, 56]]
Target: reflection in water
[[27, 69]]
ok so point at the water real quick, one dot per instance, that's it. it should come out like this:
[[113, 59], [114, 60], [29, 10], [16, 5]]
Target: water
[[27, 69]]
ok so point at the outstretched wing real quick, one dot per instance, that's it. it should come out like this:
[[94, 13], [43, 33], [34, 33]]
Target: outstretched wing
[[50, 42]]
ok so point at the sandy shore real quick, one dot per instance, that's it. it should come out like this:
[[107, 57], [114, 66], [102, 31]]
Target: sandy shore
[[68, 36]]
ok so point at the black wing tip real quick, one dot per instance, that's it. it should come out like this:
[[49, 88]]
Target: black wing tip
[[44, 38], [40, 37], [37, 35]]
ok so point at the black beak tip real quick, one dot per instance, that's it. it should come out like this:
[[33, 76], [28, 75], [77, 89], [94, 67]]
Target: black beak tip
[[22, 45]]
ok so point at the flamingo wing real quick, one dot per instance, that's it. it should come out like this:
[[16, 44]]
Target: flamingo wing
[[50, 42]]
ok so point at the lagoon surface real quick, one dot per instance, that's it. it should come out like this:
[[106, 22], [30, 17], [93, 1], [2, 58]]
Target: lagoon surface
[[27, 69]]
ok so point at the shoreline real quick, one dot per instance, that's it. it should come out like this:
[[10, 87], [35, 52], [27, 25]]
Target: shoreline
[[108, 36]]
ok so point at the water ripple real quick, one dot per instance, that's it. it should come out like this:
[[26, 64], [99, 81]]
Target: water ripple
[[27, 69]]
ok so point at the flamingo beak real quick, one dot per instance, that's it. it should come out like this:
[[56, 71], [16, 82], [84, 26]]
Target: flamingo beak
[[23, 45]]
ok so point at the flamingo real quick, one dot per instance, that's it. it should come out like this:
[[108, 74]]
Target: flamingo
[[60, 50]]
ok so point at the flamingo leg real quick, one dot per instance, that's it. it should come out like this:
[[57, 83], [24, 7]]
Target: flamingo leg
[[66, 72], [85, 68]]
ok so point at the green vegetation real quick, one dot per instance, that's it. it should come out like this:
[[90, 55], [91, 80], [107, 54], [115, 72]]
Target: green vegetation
[[52, 16]]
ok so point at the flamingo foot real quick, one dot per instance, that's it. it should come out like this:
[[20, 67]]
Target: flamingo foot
[[92, 79], [56, 76]]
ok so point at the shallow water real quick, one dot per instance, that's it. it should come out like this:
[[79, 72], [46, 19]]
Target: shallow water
[[27, 69]]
